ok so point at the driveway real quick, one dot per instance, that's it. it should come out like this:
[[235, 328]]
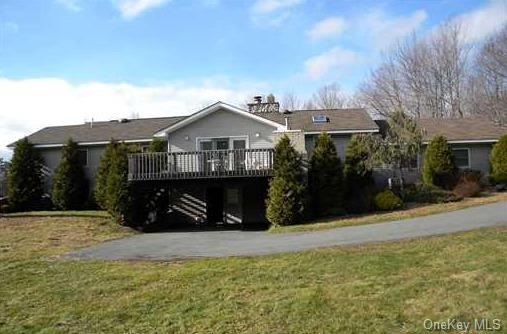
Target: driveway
[[180, 245]]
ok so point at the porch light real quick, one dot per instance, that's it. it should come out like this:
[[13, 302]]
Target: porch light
[[257, 134], [187, 138]]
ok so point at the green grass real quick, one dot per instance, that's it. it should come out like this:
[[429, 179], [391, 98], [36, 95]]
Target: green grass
[[83, 213], [411, 211], [380, 288]]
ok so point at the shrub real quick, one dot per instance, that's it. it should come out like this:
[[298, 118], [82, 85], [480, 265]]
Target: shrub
[[157, 145], [286, 194], [469, 184], [325, 178], [422, 193], [69, 187], [498, 160], [25, 179], [439, 168], [387, 200]]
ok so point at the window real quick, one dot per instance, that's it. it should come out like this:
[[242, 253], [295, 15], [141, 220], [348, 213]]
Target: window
[[82, 157], [462, 157], [320, 119]]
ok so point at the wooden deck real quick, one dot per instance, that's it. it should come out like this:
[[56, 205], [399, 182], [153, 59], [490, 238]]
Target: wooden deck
[[200, 164]]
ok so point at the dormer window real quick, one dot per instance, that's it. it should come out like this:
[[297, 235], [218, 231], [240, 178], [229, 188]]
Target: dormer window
[[320, 119]]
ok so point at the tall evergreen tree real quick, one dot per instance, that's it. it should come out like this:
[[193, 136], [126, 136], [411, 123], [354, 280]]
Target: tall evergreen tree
[[357, 171], [439, 168], [498, 161], [117, 190], [69, 187], [25, 179], [325, 178], [358, 175], [103, 174], [286, 195]]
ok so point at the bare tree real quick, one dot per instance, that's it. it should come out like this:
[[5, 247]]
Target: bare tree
[[426, 77], [488, 84], [291, 101], [329, 97]]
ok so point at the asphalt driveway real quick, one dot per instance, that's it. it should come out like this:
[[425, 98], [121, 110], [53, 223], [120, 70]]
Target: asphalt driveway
[[181, 245]]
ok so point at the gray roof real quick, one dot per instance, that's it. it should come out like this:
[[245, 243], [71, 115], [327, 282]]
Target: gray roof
[[338, 120], [461, 129], [133, 129]]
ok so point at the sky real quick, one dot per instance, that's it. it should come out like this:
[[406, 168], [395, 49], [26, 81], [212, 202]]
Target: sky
[[68, 61]]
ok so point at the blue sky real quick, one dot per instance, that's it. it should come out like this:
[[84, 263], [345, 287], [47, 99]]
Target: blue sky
[[64, 61]]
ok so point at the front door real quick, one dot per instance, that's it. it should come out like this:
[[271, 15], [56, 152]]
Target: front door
[[215, 205]]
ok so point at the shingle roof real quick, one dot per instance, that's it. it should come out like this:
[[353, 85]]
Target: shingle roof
[[134, 129], [339, 120], [461, 129]]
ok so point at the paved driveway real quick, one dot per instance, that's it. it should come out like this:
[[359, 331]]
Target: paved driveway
[[178, 245]]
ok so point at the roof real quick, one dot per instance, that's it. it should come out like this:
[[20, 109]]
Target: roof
[[132, 130], [462, 129], [211, 109], [339, 120]]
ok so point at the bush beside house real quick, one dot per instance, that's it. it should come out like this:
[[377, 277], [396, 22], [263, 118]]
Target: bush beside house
[[387, 201], [287, 190], [25, 178], [69, 185], [325, 178], [157, 145], [439, 168], [498, 160]]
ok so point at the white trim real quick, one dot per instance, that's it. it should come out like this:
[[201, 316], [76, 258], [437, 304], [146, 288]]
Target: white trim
[[91, 143], [468, 152], [467, 141], [231, 139], [211, 109], [341, 131]]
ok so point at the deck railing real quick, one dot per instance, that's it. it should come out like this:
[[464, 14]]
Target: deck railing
[[200, 164]]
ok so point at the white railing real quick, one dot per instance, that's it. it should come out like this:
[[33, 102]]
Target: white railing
[[200, 164]]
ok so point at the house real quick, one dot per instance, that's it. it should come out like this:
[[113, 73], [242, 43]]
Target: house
[[219, 159]]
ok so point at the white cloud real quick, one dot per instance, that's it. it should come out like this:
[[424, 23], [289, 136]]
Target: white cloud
[[329, 27], [335, 59], [31, 104], [385, 29], [74, 5], [268, 6], [484, 21], [272, 12], [132, 8]]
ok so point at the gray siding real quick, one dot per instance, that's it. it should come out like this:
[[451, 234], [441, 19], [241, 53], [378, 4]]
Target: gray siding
[[221, 124], [479, 160], [479, 156], [339, 141], [52, 158]]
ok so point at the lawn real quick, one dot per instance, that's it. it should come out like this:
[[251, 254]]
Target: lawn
[[380, 288], [82, 213], [411, 211]]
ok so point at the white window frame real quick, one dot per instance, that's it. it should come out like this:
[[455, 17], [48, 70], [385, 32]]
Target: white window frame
[[198, 140], [468, 154]]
